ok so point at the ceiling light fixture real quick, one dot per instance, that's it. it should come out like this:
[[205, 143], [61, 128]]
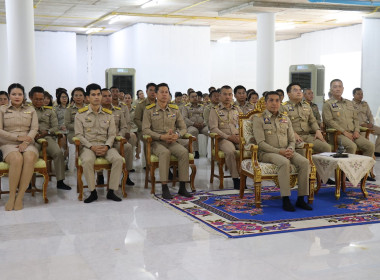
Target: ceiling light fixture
[[150, 3], [93, 30]]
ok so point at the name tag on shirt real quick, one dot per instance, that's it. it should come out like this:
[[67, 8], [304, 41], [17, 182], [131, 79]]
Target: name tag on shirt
[[267, 121], [171, 115], [155, 113], [334, 105], [290, 108]]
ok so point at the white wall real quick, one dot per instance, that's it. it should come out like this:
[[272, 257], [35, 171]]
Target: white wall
[[371, 63], [56, 63], [338, 49], [3, 58], [177, 55]]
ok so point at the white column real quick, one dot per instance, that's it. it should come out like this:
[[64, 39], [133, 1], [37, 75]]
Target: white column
[[371, 63], [21, 49], [265, 52]]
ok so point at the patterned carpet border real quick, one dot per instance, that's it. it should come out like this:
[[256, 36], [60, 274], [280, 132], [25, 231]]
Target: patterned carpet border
[[223, 211]]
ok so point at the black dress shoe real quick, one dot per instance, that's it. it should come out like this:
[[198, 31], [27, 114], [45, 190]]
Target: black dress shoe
[[330, 182], [300, 203], [183, 191], [62, 186], [132, 170], [287, 205], [93, 196], [196, 154], [236, 183], [129, 182], [371, 179], [166, 193], [112, 196], [377, 154]]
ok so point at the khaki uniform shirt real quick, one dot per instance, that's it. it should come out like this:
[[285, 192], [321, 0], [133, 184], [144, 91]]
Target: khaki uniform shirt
[[316, 113], [47, 119], [17, 122], [364, 112], [206, 112], [246, 107], [301, 116], [139, 112], [157, 121], [120, 124], [273, 133], [193, 114], [95, 129], [124, 108], [60, 112], [340, 115], [70, 113], [224, 121], [131, 125]]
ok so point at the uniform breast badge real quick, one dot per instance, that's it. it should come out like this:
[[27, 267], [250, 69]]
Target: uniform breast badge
[[267, 120]]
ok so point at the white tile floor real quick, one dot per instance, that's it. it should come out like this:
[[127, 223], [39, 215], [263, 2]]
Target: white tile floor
[[140, 238]]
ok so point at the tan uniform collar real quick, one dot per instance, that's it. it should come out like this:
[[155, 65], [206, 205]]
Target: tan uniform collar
[[269, 114], [221, 106], [91, 111], [39, 109], [356, 102], [22, 105]]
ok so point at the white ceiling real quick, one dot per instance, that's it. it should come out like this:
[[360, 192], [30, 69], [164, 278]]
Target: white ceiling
[[233, 18]]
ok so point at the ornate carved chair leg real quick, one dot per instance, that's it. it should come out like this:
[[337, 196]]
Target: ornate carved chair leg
[[221, 175], [311, 191], [153, 179], [212, 170], [258, 194], [147, 168], [337, 183], [243, 180], [175, 173], [343, 181], [44, 186], [318, 184], [192, 176], [124, 181], [80, 183]]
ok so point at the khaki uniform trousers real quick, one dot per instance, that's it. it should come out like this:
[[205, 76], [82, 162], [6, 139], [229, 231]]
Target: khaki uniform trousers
[[88, 158], [376, 131], [229, 150], [319, 146], [195, 132], [54, 151], [283, 164], [364, 145], [128, 154], [163, 151]]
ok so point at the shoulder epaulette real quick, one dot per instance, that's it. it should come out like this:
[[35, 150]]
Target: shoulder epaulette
[[305, 102], [188, 104], [107, 111], [141, 101], [133, 106], [68, 106], [48, 107], [122, 103], [117, 108], [150, 106], [284, 113], [284, 103], [174, 106], [81, 110]]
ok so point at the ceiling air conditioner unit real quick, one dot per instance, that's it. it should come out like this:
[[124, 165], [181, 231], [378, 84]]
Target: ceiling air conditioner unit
[[310, 76]]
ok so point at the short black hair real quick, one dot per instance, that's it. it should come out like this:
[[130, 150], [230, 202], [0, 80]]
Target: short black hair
[[280, 90], [210, 89], [151, 85], [91, 87], [104, 89], [239, 87], [225, 87], [114, 87], [128, 93], [59, 97], [2, 92], [34, 90], [271, 93], [289, 87], [253, 92], [178, 94], [163, 85], [212, 92], [335, 80], [59, 90], [355, 90], [200, 94]]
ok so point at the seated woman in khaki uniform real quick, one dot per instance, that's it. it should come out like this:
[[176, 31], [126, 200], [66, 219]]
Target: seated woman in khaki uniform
[[18, 127], [77, 95]]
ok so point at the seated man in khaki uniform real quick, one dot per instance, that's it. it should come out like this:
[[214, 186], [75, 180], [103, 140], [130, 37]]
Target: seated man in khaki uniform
[[164, 123], [308, 94], [47, 127], [96, 130], [365, 117], [340, 114], [214, 97], [224, 120], [121, 130], [305, 126], [274, 135], [193, 116], [241, 99]]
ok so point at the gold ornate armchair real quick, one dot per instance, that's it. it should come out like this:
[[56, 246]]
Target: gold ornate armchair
[[40, 167], [100, 164], [152, 163], [259, 171]]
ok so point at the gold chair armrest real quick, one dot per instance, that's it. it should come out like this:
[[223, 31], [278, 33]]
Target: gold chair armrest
[[44, 145], [122, 141], [147, 142], [213, 135], [77, 146]]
